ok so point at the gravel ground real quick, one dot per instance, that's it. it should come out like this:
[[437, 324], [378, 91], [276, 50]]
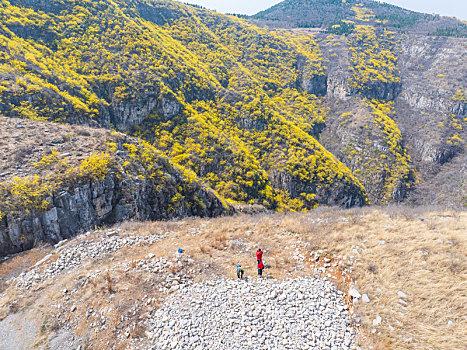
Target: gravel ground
[[17, 332], [304, 313]]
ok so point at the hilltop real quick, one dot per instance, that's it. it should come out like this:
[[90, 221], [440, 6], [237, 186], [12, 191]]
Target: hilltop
[[127, 287], [338, 16]]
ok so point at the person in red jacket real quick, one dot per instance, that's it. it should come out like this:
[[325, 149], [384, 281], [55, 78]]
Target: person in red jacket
[[259, 255], [260, 268]]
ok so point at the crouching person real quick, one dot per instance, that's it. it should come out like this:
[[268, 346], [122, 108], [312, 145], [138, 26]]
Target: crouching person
[[240, 271]]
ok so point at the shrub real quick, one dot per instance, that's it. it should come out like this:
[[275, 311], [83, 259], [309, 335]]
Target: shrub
[[96, 166]]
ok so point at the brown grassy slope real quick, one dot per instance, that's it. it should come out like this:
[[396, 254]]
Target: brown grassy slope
[[423, 254], [24, 142]]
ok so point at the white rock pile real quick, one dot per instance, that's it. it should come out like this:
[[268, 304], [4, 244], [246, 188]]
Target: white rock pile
[[72, 256], [303, 313]]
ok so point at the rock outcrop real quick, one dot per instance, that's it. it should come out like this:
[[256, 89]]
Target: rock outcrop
[[341, 194], [99, 203], [121, 179]]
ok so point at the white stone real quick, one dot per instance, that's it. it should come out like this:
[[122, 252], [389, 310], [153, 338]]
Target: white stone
[[354, 293], [401, 294]]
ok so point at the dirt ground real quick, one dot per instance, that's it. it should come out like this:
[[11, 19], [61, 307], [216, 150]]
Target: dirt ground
[[411, 263]]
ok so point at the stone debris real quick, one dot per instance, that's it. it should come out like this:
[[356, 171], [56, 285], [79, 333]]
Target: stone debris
[[401, 294], [72, 256], [365, 298], [303, 313], [354, 293]]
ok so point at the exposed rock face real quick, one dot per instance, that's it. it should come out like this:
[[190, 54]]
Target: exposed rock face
[[100, 203], [308, 80], [338, 86], [128, 114], [430, 115], [341, 194], [316, 85], [133, 182], [382, 91], [431, 100]]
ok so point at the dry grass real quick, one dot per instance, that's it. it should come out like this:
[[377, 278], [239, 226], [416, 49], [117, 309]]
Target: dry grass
[[423, 255], [20, 262], [22, 147], [108, 281]]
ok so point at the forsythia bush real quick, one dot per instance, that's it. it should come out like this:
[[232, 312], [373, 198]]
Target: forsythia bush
[[96, 166]]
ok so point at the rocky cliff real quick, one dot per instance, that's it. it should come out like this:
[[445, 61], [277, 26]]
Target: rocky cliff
[[426, 111], [396, 93], [116, 178]]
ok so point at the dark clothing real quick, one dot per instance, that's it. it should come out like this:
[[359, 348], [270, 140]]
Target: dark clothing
[[240, 272], [260, 268], [259, 255]]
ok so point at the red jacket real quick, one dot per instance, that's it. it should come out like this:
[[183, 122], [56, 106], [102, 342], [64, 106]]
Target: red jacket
[[259, 255], [261, 265]]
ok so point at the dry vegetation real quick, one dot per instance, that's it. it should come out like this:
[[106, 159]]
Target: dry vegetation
[[10, 268], [419, 252], [24, 143]]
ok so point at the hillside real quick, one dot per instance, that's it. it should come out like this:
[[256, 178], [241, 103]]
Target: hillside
[[126, 287], [278, 119], [64, 180], [389, 87], [217, 95], [417, 90], [341, 16], [149, 147]]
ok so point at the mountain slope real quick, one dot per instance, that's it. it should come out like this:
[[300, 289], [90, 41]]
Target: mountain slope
[[341, 16], [423, 101], [58, 181], [212, 91], [277, 118], [394, 99]]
